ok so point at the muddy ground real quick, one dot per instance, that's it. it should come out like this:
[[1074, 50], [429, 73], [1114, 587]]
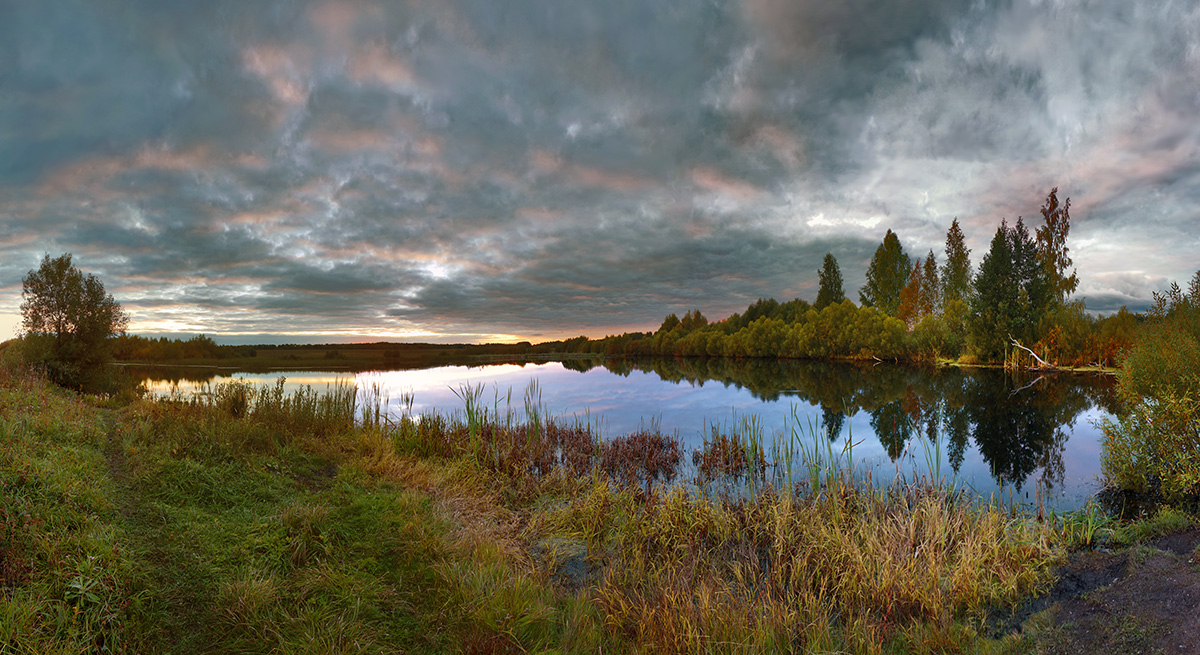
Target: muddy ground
[[1145, 599]]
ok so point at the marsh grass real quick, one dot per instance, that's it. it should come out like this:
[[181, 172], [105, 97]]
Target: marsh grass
[[251, 520]]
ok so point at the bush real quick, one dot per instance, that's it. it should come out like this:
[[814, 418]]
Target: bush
[[1155, 447], [1155, 444]]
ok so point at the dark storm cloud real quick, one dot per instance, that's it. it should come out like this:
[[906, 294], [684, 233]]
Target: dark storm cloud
[[531, 167]]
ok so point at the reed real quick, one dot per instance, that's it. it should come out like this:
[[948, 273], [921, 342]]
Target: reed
[[809, 448], [535, 415], [470, 396]]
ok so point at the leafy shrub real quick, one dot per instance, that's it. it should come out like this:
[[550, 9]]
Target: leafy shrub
[[1155, 444]]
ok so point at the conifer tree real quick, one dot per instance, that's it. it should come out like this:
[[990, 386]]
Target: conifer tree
[[830, 276], [930, 288], [956, 273], [886, 276], [1011, 292], [996, 297], [1034, 293], [956, 288]]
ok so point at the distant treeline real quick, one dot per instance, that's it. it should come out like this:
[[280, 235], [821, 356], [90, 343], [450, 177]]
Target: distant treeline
[[131, 347], [135, 348]]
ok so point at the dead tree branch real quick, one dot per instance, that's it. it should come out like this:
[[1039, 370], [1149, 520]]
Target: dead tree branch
[[1042, 364]]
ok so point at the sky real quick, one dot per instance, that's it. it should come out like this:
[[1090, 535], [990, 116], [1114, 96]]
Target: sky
[[477, 170]]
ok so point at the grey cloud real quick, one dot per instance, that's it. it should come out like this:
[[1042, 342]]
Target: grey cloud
[[69, 75], [344, 279], [853, 28], [1111, 303]]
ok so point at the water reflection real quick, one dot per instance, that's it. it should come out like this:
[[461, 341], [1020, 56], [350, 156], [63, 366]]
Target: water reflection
[[996, 432], [1020, 424]]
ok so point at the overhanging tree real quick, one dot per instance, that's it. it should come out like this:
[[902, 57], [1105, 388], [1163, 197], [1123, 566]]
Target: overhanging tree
[[67, 318]]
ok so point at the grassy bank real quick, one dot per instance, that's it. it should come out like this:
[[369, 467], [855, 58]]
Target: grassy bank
[[255, 521]]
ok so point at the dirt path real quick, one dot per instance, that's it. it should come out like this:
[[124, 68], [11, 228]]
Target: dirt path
[[114, 453], [1142, 600]]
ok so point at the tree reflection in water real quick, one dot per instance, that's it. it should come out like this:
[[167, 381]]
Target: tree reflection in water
[[832, 421], [1019, 424], [1016, 421]]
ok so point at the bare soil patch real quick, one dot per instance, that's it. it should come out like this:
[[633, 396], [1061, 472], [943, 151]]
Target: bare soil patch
[[1142, 600]]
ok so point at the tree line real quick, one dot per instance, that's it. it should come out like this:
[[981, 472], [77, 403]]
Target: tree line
[[913, 308], [133, 347]]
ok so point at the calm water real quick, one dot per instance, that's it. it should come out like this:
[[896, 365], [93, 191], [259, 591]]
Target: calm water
[[990, 431]]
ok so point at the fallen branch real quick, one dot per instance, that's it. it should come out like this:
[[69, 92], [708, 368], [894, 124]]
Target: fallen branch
[[1041, 362]]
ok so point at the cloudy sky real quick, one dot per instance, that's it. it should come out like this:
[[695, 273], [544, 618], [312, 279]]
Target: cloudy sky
[[532, 169]]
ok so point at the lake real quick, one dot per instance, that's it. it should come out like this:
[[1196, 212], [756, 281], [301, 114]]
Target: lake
[[999, 434]]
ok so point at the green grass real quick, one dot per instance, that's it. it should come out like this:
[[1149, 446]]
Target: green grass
[[250, 521], [194, 531]]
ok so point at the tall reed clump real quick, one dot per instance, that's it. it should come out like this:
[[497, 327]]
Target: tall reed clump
[[811, 451], [828, 562], [303, 411], [720, 455], [496, 440], [476, 416], [858, 570], [735, 454]]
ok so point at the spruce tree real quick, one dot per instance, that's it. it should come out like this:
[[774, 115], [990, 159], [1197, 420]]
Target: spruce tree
[[930, 288], [886, 276], [956, 288], [831, 283], [996, 297], [1012, 293], [956, 273], [1034, 292]]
